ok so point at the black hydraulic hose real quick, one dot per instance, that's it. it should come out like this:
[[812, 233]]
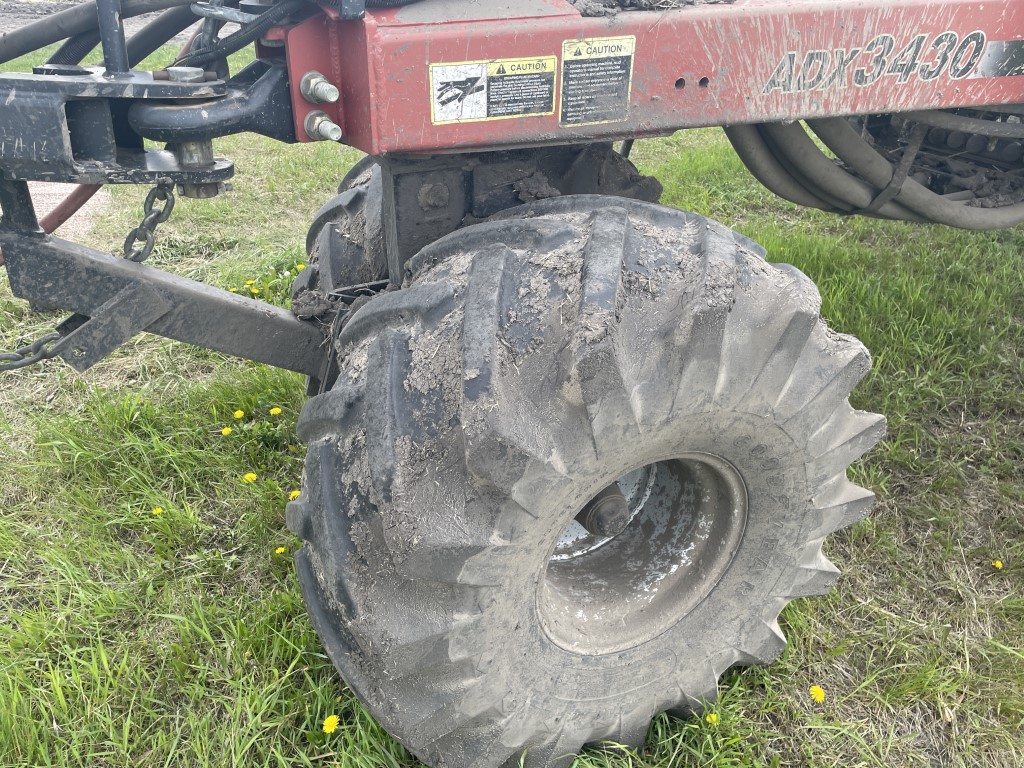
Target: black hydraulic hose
[[964, 124], [73, 21], [805, 156], [839, 136], [75, 48], [159, 31], [769, 164], [765, 167], [140, 45], [243, 37], [781, 154]]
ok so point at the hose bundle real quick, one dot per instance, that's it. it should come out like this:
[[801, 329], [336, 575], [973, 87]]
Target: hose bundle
[[69, 23], [140, 45], [788, 162], [79, 27], [248, 34]]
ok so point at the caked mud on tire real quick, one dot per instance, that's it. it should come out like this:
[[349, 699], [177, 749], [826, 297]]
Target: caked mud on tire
[[529, 363], [345, 242]]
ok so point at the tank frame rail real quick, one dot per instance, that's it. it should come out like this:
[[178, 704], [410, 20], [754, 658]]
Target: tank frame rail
[[115, 299], [751, 61]]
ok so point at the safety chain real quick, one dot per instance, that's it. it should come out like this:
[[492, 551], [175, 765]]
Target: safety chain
[[145, 233], [36, 352], [44, 348]]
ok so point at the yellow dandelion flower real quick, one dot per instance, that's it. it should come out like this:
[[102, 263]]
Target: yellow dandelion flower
[[250, 282], [249, 477], [158, 511], [280, 551], [238, 414], [711, 719], [300, 267], [275, 411], [294, 495], [997, 564], [254, 291], [817, 693], [233, 290], [331, 724], [226, 431]]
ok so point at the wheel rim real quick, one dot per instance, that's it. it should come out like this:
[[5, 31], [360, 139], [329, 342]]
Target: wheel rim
[[606, 594], [575, 540]]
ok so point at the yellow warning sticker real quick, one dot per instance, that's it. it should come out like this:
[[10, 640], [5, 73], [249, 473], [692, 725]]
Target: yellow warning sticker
[[547, 65], [597, 80], [469, 91]]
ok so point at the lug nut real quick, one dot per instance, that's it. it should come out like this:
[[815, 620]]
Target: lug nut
[[320, 127], [318, 89]]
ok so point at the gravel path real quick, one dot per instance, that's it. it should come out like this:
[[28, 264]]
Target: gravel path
[[14, 15], [17, 14], [46, 196]]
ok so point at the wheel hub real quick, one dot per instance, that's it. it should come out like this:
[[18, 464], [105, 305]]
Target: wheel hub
[[577, 540], [602, 594]]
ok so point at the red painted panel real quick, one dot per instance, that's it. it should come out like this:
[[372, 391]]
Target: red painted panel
[[313, 46], [703, 65]]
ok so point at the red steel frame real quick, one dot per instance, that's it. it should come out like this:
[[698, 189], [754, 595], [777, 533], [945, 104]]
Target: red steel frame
[[697, 66]]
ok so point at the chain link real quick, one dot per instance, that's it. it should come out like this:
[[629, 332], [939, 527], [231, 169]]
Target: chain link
[[36, 352], [44, 348], [153, 216]]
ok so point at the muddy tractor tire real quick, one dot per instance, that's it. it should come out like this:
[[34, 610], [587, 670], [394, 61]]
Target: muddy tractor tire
[[345, 242], [575, 349]]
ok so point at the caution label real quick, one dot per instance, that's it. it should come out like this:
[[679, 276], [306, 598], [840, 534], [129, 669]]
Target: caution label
[[492, 90], [597, 78]]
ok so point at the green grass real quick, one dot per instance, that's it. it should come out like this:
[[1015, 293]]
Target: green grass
[[180, 639]]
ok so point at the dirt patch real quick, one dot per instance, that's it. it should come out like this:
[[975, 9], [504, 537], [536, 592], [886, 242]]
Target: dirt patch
[[14, 15], [612, 7], [47, 196]]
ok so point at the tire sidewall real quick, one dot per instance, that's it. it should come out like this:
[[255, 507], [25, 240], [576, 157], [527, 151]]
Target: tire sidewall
[[773, 470]]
